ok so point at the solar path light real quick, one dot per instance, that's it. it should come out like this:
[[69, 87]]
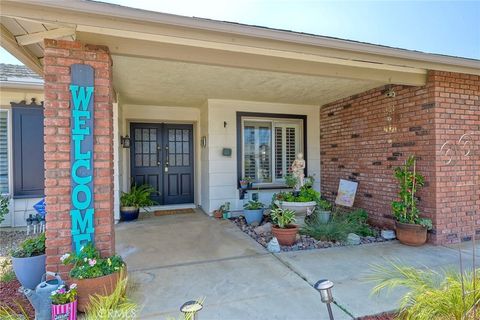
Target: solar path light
[[190, 309], [324, 287]]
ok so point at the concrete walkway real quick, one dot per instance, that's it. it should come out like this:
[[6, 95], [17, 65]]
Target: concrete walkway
[[173, 259]]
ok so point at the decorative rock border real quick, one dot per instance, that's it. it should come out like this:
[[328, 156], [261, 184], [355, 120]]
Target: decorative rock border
[[262, 234]]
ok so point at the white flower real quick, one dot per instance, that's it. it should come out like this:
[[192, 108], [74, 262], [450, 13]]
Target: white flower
[[53, 293], [64, 257], [85, 259], [73, 286]]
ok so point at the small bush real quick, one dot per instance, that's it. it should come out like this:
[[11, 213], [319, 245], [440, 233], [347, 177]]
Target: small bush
[[6, 271], [338, 228]]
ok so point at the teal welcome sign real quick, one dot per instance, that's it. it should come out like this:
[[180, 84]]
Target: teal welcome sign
[[81, 155]]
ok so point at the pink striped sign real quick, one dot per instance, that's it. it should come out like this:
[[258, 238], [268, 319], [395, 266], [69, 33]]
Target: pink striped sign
[[64, 311]]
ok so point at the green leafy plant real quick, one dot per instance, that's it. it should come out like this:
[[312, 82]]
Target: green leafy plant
[[245, 181], [114, 306], [338, 228], [88, 263], [448, 294], [324, 205], [64, 294], [282, 217], [290, 181], [4, 202], [6, 271], [30, 247], [410, 181], [253, 205], [138, 197], [306, 194]]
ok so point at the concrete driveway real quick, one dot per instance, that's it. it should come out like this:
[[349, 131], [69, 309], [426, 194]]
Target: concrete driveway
[[173, 259]]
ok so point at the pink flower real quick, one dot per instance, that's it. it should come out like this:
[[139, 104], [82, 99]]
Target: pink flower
[[92, 262]]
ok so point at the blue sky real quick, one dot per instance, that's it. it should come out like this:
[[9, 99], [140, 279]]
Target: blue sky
[[444, 27]]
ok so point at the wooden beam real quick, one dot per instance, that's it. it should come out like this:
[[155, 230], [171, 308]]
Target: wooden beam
[[36, 37], [9, 43]]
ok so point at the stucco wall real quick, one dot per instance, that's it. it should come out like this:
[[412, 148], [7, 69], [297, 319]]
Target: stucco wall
[[222, 171], [19, 208]]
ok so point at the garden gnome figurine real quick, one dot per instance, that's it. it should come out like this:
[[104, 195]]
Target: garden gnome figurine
[[298, 167]]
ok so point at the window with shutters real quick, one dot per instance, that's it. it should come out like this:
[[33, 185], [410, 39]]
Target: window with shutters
[[268, 147], [4, 152]]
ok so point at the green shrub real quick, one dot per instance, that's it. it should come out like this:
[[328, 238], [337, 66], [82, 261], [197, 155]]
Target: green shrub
[[253, 205], [30, 247], [448, 294], [282, 217], [138, 197], [4, 201], [338, 228], [6, 271]]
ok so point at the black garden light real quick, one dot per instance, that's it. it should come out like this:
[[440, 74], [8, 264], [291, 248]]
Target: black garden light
[[190, 309], [324, 287]]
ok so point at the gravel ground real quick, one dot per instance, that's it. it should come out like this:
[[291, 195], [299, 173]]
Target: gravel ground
[[11, 298], [10, 238], [303, 242]]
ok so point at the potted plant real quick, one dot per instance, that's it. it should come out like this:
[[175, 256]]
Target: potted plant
[[284, 229], [302, 202], [93, 274], [28, 261], [253, 211], [411, 229], [64, 302], [131, 202], [323, 210], [225, 210], [245, 182], [4, 210]]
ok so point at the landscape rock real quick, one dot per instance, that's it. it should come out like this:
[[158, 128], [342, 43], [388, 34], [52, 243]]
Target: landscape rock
[[273, 246], [388, 234], [353, 239], [264, 228]]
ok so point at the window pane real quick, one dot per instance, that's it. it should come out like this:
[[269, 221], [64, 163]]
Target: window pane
[[290, 146], [3, 153], [279, 170], [258, 151]]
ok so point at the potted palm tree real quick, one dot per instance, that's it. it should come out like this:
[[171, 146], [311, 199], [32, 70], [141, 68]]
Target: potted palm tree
[[284, 229], [131, 202], [253, 211], [28, 261], [410, 227]]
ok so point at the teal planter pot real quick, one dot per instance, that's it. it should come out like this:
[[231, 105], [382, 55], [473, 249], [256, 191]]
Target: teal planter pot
[[252, 216]]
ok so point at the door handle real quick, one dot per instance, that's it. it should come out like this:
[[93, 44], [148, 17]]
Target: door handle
[[166, 159]]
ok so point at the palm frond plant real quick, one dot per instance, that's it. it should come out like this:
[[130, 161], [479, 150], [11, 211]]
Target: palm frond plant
[[443, 295], [8, 313], [114, 306], [138, 197]]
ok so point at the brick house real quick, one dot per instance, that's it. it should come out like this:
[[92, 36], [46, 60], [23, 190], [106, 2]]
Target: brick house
[[191, 105]]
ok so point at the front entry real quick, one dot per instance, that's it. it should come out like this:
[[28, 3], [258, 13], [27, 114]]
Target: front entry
[[161, 155]]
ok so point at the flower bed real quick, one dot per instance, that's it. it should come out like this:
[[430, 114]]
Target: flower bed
[[304, 242]]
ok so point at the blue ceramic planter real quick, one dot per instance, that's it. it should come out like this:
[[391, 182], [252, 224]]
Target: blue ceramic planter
[[253, 215], [128, 213], [29, 271]]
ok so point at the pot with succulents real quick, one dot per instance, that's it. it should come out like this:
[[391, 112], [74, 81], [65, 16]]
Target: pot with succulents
[[28, 261], [245, 182], [323, 210], [411, 229], [93, 274], [64, 302], [302, 201], [138, 198], [283, 227], [253, 211]]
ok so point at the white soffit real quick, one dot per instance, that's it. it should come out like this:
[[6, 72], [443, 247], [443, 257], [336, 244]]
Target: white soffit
[[161, 82]]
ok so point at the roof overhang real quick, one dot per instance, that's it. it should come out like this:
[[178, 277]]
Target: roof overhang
[[144, 34]]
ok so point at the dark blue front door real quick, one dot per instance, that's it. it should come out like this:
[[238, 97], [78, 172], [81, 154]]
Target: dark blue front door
[[162, 156]]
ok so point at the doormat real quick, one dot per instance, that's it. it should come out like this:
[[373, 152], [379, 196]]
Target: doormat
[[170, 212]]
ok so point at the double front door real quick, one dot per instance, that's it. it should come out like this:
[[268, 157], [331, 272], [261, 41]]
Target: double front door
[[162, 156]]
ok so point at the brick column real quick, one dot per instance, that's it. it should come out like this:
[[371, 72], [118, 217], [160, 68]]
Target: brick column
[[59, 56]]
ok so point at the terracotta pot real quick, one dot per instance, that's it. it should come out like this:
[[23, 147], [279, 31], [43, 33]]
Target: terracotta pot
[[218, 214], [102, 285], [411, 234], [286, 236]]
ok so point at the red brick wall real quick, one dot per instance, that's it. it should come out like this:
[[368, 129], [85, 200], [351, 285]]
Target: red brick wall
[[355, 146], [457, 112], [59, 56]]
